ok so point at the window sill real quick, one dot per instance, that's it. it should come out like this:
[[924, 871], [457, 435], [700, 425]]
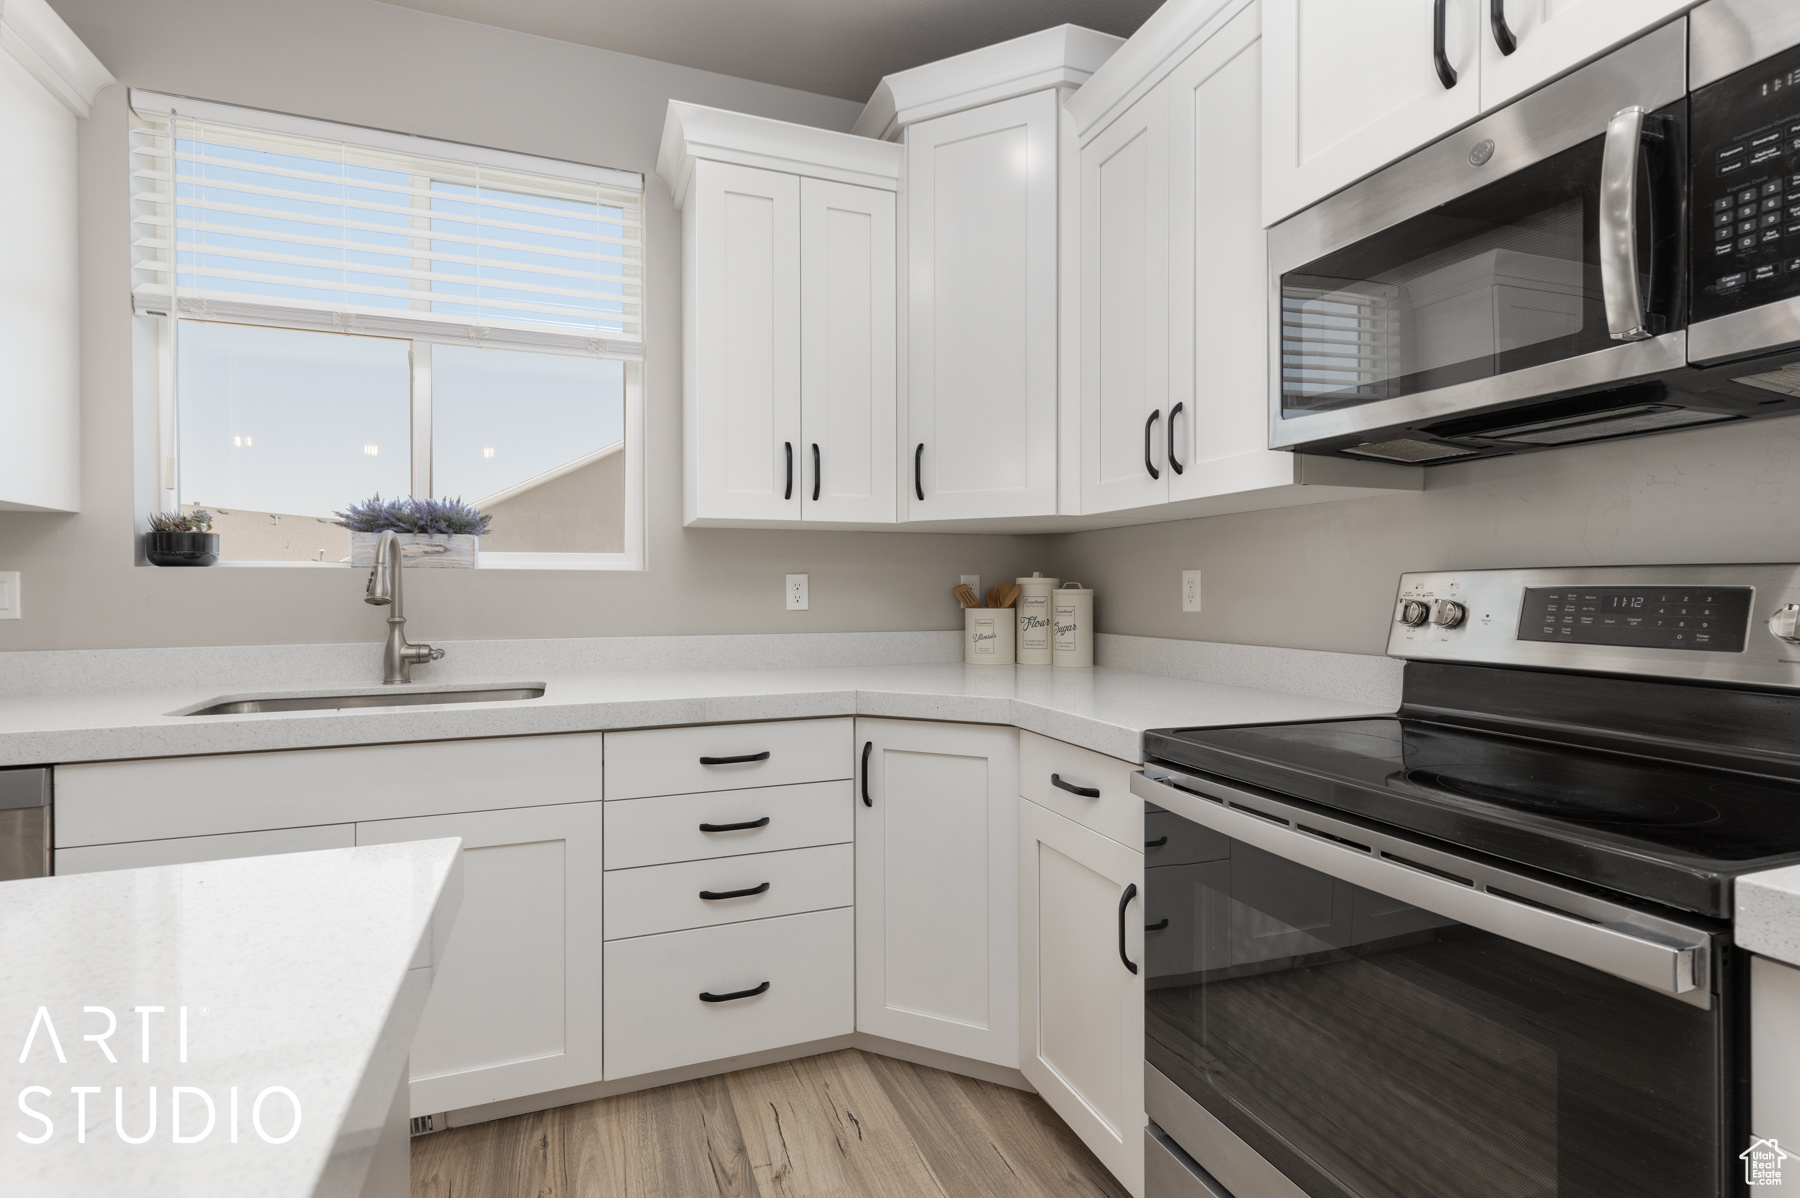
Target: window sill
[[489, 563]]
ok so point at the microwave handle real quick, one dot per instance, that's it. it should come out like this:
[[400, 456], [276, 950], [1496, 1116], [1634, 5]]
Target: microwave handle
[[1618, 226]]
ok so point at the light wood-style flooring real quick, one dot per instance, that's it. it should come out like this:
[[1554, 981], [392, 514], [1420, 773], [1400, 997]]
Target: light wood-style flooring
[[845, 1125]]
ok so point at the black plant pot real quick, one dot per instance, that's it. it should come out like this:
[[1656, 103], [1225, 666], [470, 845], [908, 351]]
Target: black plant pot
[[181, 548]]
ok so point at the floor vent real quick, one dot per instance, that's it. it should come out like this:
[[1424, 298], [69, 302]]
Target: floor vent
[[424, 1125]]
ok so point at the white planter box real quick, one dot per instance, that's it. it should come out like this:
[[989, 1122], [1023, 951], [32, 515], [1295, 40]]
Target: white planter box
[[420, 549]]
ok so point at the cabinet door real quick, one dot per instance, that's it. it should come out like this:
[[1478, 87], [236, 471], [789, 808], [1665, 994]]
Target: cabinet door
[[1082, 1010], [515, 1003], [847, 332], [1218, 284], [1350, 87], [741, 265], [1125, 310], [937, 951], [1552, 36], [980, 379]]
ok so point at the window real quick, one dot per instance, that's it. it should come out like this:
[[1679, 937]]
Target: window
[[342, 312]]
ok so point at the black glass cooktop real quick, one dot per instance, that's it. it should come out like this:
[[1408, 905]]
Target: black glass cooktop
[[1665, 830]]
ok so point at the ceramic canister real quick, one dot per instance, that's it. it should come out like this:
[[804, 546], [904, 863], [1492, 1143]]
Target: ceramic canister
[[1034, 618], [988, 636], [1072, 625]]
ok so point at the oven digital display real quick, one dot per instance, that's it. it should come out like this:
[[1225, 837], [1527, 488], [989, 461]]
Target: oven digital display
[[1709, 619]]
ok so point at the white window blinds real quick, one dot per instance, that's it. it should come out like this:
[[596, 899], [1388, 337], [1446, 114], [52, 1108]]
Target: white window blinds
[[263, 219]]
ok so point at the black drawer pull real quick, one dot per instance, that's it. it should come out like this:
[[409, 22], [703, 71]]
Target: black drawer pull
[[738, 760], [789, 493], [749, 823], [1086, 792], [714, 895], [1503, 34], [750, 993], [1445, 72], [1124, 902], [1149, 424], [868, 747], [1157, 843], [1158, 926]]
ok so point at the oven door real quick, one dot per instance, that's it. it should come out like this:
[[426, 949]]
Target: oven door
[[1536, 254], [1341, 1013]]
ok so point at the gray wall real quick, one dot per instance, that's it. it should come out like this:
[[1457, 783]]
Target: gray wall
[[375, 64], [1323, 577]]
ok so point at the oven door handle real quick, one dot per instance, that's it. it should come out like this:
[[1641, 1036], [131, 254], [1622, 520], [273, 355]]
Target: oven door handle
[[1667, 965], [1618, 226]]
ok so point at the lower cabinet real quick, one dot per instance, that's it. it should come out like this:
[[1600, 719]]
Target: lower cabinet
[[515, 1007], [937, 886], [1082, 1009]]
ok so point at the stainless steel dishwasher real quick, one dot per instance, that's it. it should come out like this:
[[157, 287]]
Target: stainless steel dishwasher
[[24, 823]]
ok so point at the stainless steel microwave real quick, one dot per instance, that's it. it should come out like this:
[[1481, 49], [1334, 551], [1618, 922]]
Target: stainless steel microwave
[[1615, 254]]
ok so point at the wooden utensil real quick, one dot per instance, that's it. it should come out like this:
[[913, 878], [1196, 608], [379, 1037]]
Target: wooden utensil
[[1008, 595], [965, 595], [993, 597]]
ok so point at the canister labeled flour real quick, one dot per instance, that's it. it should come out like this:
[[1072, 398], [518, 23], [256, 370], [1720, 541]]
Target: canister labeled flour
[[988, 636], [1034, 618], [1072, 625]]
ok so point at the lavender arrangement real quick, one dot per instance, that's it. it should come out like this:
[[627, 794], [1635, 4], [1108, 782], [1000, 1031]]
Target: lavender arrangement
[[440, 517]]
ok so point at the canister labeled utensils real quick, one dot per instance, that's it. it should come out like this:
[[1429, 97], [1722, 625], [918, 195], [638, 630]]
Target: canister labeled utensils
[[1034, 619], [988, 636], [1072, 625]]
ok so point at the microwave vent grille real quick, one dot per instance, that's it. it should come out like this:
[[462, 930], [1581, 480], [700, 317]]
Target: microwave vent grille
[[1407, 450], [1785, 381]]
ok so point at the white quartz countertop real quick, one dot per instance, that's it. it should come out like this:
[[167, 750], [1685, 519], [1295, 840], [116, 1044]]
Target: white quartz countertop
[[1767, 916], [1101, 708], [305, 971]]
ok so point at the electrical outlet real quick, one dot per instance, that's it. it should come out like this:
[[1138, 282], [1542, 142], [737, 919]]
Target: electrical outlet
[[1190, 590], [9, 595], [796, 592], [974, 584]]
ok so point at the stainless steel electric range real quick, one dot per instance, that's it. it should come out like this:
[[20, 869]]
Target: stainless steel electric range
[[1480, 947]]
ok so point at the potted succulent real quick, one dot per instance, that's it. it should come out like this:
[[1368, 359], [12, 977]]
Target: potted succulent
[[178, 539], [433, 532]]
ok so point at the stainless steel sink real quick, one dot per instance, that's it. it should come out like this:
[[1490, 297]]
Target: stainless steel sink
[[505, 694]]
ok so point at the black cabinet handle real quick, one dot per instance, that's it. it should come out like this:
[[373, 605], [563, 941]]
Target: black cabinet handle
[[749, 823], [918, 475], [1157, 843], [738, 760], [790, 470], [714, 895], [1158, 926], [1503, 34], [1446, 73], [1148, 425], [1174, 412], [750, 993], [1086, 792], [1124, 902], [815, 472], [868, 747]]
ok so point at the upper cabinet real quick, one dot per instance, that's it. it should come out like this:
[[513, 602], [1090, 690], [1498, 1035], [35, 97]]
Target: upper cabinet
[[788, 310], [1349, 88], [1173, 281], [48, 79]]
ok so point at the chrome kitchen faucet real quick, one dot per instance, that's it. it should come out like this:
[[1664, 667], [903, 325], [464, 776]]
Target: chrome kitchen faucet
[[384, 589]]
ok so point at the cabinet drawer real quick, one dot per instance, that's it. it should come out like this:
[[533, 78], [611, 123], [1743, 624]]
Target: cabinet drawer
[[667, 827], [1171, 840], [1116, 813], [184, 850], [673, 761], [654, 1016], [666, 898]]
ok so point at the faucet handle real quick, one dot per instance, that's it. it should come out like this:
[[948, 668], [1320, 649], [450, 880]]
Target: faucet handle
[[434, 654]]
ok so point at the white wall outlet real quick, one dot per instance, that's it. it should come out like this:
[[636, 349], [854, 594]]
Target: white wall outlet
[[9, 595], [796, 592], [1190, 590], [973, 581]]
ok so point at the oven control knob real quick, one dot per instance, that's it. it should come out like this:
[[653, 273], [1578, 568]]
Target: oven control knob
[[1412, 612], [1786, 623], [1447, 613]]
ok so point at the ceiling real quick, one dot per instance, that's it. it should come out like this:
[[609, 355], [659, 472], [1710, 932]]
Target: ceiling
[[834, 47]]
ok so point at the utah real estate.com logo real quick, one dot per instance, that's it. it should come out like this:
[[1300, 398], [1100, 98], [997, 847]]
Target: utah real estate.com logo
[[1762, 1162]]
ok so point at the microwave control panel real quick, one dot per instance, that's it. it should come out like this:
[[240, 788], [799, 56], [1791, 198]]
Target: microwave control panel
[[1745, 138]]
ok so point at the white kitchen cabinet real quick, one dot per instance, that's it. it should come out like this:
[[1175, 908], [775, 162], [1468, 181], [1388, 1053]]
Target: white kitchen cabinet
[[788, 308], [184, 850], [1125, 310], [1350, 87], [1774, 1050], [1082, 1007], [48, 79], [1551, 37], [515, 1008], [979, 409], [937, 887]]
